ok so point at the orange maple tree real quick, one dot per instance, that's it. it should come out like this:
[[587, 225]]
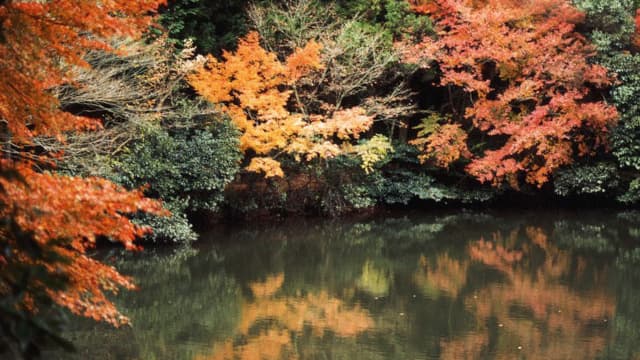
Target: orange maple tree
[[444, 146], [256, 90], [530, 83], [39, 43], [49, 221], [65, 215]]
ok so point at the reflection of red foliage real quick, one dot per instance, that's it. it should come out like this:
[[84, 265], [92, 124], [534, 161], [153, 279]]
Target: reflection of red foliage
[[555, 316], [494, 255], [448, 275]]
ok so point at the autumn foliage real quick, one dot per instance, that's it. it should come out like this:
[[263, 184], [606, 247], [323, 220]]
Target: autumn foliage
[[259, 93], [50, 221], [530, 84], [40, 42], [289, 315], [65, 215], [445, 145]]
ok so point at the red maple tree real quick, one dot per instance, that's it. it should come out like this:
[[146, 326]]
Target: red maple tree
[[530, 83]]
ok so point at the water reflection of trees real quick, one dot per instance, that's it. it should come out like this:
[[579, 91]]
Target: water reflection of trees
[[508, 284], [270, 324], [177, 308], [533, 310], [452, 287]]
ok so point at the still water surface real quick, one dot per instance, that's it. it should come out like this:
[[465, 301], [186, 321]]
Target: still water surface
[[466, 285]]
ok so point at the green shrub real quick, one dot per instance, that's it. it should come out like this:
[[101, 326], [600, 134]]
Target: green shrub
[[611, 26], [586, 179], [187, 169]]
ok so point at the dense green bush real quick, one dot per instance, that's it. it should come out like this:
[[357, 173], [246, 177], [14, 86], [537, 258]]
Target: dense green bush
[[593, 179], [341, 186], [399, 179], [610, 25], [187, 169]]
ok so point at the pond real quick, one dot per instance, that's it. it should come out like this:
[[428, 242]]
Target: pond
[[464, 285]]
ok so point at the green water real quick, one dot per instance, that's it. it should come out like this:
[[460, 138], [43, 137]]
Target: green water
[[466, 285]]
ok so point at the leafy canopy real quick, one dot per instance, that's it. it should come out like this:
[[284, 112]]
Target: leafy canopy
[[48, 222], [255, 89], [530, 82]]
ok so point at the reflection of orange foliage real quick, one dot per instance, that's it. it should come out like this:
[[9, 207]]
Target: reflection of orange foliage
[[537, 236], [320, 311], [269, 345], [269, 287], [494, 255], [552, 317], [286, 315], [467, 347], [558, 263], [448, 275]]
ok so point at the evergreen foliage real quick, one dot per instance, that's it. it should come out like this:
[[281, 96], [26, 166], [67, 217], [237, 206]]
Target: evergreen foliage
[[187, 169], [213, 25], [612, 28]]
